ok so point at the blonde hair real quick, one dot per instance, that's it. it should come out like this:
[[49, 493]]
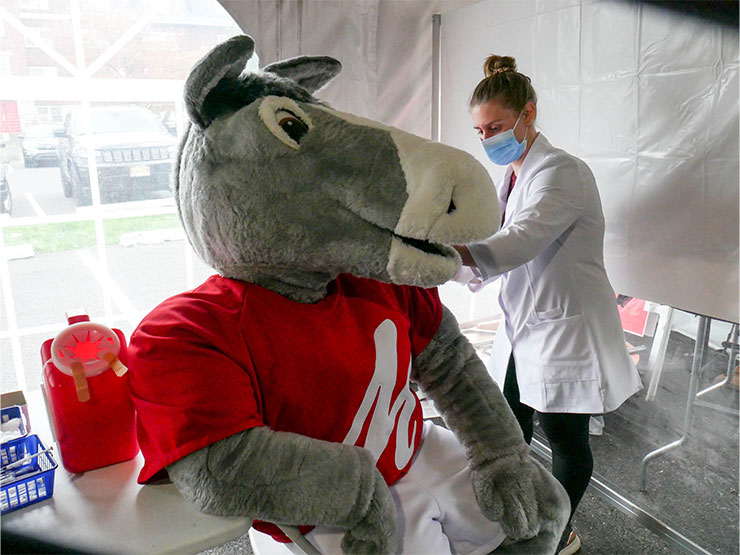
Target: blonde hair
[[504, 83]]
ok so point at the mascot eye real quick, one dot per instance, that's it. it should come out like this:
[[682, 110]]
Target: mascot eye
[[285, 119], [292, 125]]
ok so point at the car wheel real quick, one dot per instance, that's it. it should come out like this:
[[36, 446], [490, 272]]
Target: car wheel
[[82, 196], [6, 202], [27, 162]]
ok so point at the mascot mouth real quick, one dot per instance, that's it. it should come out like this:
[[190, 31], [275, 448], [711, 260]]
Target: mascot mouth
[[421, 262], [425, 246]]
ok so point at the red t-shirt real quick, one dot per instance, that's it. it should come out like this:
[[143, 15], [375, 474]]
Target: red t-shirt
[[229, 355]]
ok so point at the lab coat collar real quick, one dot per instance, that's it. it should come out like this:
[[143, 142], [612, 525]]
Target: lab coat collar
[[504, 187], [540, 147]]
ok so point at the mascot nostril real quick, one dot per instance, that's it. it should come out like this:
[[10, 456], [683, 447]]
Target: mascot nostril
[[283, 388]]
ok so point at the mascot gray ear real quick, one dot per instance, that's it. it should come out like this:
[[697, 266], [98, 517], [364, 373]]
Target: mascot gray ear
[[210, 85], [309, 72]]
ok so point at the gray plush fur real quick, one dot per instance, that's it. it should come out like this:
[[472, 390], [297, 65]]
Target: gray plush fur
[[345, 197], [309, 72], [318, 243], [287, 478]]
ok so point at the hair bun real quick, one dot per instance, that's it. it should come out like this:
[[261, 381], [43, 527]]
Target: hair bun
[[498, 64]]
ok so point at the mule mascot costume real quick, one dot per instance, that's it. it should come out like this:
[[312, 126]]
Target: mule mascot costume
[[284, 388]]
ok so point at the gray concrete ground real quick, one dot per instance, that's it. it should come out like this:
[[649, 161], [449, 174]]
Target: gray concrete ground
[[694, 488]]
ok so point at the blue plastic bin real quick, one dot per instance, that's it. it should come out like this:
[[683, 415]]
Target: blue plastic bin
[[30, 482]]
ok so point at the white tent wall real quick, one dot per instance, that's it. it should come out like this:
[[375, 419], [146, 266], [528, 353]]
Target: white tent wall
[[385, 47], [649, 99]]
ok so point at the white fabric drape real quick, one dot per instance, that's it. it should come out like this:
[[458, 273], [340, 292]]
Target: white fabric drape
[[385, 47], [649, 99]]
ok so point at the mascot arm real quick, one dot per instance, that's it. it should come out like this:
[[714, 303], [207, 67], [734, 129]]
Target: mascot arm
[[287, 478], [505, 478]]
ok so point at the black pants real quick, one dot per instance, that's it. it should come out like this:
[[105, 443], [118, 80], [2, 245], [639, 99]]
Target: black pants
[[567, 434]]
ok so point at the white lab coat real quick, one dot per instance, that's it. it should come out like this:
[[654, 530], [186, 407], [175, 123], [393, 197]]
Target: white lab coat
[[560, 311]]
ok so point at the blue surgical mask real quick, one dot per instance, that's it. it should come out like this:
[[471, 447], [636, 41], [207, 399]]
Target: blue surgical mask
[[503, 149]]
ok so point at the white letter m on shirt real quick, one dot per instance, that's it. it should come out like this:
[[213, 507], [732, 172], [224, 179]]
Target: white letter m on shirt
[[379, 396]]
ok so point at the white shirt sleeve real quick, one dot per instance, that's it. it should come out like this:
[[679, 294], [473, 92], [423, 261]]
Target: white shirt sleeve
[[472, 279], [553, 201]]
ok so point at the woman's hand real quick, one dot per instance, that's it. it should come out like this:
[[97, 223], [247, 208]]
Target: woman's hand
[[464, 253]]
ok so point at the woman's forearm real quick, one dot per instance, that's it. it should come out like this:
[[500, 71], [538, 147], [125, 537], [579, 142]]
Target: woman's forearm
[[464, 253]]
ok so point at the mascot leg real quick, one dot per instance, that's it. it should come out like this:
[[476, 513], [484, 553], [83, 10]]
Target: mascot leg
[[437, 497], [435, 503], [438, 512]]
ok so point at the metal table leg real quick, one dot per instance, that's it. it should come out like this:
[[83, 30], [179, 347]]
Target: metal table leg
[[702, 339], [730, 365], [657, 351]]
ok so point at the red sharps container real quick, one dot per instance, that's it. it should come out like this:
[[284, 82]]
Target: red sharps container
[[87, 395]]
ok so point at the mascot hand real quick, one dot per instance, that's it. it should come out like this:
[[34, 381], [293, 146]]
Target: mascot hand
[[506, 490], [377, 529]]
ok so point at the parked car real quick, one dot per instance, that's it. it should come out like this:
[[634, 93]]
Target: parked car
[[39, 145], [6, 199], [133, 154], [169, 120]]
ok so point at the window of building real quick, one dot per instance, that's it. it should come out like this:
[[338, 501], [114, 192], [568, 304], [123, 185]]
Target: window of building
[[33, 5], [43, 71], [94, 227], [49, 114], [38, 36]]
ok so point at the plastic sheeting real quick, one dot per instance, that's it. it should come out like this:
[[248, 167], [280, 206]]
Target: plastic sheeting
[[649, 99], [385, 47]]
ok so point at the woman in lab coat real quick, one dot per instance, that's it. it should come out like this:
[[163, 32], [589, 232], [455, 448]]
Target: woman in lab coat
[[561, 350]]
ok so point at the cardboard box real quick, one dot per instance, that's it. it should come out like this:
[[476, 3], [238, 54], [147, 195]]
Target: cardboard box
[[13, 398]]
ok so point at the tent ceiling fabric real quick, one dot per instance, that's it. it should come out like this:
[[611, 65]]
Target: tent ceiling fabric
[[385, 47]]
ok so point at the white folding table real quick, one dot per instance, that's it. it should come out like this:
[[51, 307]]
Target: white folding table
[[106, 511]]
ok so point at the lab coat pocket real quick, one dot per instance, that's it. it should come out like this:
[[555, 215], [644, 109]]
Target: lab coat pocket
[[564, 348], [549, 314]]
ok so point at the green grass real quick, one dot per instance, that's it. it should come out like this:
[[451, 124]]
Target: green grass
[[57, 237]]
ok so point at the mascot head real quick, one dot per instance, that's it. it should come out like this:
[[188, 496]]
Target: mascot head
[[276, 188]]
